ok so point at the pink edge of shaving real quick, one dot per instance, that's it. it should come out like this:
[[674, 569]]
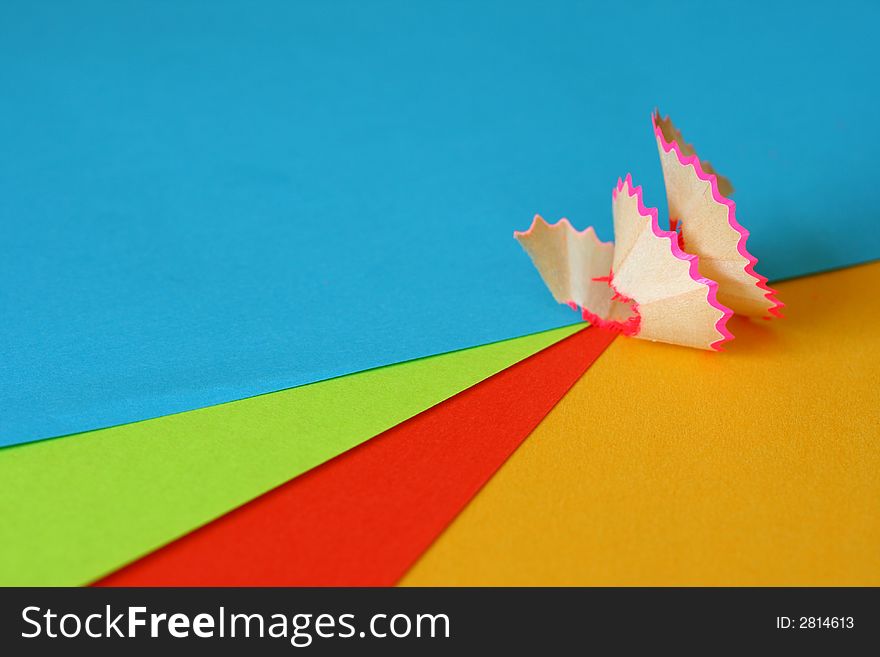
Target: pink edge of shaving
[[761, 281], [629, 328], [692, 260]]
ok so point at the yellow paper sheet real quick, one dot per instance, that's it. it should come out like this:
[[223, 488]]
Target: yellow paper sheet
[[671, 466]]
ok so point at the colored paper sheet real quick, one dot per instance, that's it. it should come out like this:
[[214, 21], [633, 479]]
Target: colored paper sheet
[[363, 518], [201, 202], [74, 510], [666, 466]]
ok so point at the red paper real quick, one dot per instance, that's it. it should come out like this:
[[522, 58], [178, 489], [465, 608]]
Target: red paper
[[363, 518]]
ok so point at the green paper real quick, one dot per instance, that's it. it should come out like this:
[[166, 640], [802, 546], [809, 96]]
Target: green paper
[[74, 510]]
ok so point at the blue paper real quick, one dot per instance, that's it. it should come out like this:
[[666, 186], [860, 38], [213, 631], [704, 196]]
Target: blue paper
[[200, 202]]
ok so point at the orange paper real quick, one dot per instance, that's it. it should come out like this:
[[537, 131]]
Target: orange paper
[[667, 466]]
